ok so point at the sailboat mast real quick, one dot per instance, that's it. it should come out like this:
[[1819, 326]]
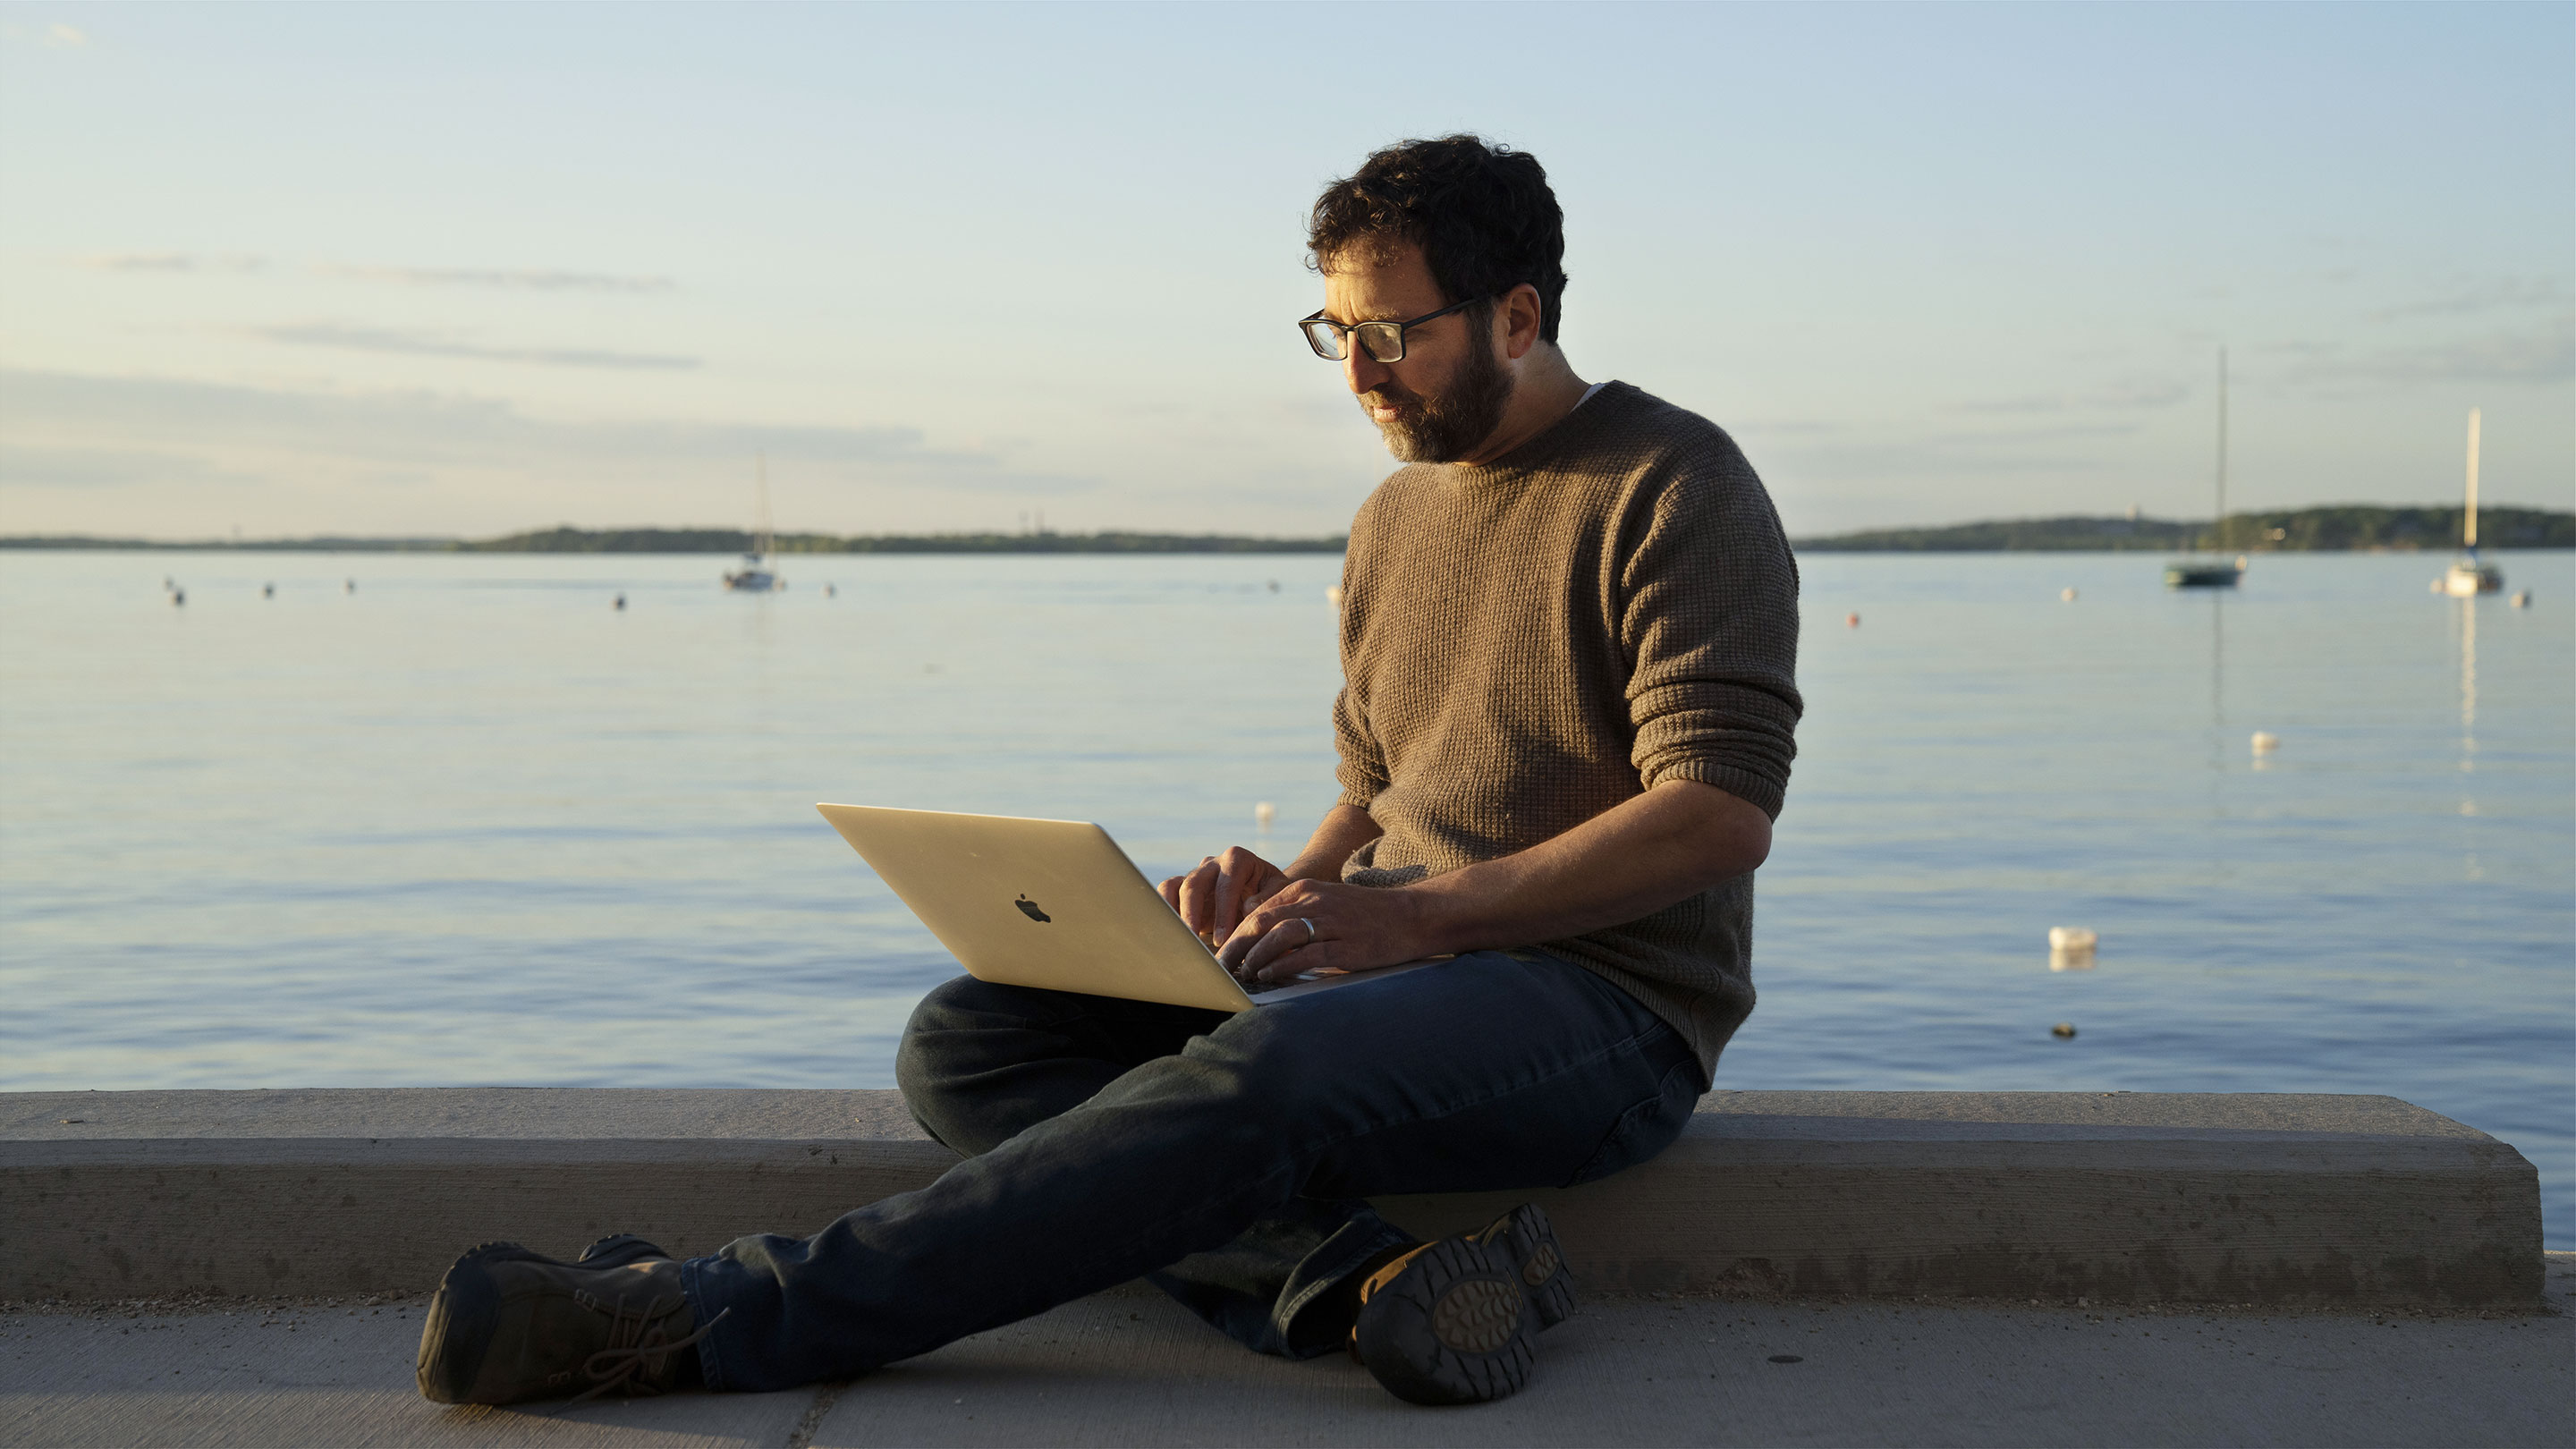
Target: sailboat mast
[[2469, 526], [2222, 450]]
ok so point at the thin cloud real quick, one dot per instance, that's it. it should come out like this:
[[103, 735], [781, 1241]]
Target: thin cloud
[[505, 278], [2055, 404], [183, 262], [423, 344], [64, 37], [1790, 428], [275, 434], [2485, 296], [2143, 394], [25, 466], [2540, 355], [2153, 393], [508, 279], [2071, 449]]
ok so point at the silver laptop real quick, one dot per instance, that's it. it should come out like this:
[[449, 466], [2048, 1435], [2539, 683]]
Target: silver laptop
[[1053, 903]]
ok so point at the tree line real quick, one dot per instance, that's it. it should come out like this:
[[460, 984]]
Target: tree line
[[2334, 528], [2340, 527]]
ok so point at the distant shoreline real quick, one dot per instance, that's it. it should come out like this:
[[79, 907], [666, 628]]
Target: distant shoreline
[[2333, 529]]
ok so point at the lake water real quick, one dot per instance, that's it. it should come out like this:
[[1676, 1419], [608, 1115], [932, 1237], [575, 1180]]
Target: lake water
[[467, 824]]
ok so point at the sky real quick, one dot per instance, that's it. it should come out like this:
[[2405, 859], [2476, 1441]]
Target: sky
[[464, 270]]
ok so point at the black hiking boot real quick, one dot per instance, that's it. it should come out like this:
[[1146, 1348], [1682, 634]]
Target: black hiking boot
[[1526, 1235], [1436, 1326], [509, 1324]]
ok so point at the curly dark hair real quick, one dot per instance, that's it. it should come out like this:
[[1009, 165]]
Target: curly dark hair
[[1483, 216]]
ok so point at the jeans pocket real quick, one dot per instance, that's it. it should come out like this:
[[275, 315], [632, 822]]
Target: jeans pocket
[[1646, 1128]]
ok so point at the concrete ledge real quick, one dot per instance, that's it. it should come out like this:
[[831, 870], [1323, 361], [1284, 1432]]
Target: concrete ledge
[[2252, 1199]]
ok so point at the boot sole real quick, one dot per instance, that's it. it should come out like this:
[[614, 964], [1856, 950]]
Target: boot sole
[[1453, 1328], [462, 1318], [1531, 1240]]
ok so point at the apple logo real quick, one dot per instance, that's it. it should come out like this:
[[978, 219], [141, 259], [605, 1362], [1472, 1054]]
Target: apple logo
[[1029, 908]]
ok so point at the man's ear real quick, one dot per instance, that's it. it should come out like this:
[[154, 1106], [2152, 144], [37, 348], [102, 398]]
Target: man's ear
[[1519, 317]]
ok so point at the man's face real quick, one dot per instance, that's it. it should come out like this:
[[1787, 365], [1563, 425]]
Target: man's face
[[1447, 393]]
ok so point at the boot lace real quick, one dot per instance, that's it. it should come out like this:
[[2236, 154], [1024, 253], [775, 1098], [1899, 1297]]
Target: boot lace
[[638, 1348]]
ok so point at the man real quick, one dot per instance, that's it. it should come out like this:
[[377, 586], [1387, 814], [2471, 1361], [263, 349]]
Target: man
[[1568, 636]]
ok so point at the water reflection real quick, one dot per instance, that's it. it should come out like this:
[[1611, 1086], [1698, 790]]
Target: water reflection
[[2219, 749], [2468, 697]]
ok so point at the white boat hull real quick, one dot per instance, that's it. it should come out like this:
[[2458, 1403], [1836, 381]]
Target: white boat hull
[[2469, 580]]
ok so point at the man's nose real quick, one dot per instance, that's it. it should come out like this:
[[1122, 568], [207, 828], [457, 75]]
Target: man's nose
[[1363, 373]]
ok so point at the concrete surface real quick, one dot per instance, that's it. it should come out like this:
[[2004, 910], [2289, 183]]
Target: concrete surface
[[1139, 1371], [2134, 1197]]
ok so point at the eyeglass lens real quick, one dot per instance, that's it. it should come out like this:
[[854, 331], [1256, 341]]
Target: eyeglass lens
[[1382, 341]]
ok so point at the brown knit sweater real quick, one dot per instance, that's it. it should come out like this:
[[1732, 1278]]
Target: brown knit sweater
[[1527, 644]]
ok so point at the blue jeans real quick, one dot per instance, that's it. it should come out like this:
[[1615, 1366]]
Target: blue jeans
[[1224, 1156]]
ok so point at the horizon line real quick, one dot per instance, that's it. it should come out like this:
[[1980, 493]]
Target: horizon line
[[1139, 540]]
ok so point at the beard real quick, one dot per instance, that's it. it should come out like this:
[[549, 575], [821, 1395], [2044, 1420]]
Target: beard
[[1445, 426]]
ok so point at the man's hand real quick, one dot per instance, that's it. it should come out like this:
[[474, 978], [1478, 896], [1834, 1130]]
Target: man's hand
[[1629, 861], [1214, 897], [1311, 925]]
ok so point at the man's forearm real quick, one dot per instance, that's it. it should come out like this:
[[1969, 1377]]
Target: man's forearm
[[1666, 845], [1345, 828]]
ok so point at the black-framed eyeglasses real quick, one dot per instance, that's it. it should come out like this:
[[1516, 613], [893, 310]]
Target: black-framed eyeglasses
[[1382, 341]]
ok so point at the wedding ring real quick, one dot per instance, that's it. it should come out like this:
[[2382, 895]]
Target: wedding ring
[[1310, 929]]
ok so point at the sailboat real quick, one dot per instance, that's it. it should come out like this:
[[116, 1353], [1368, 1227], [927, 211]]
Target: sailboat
[[757, 575], [2212, 573], [2469, 577]]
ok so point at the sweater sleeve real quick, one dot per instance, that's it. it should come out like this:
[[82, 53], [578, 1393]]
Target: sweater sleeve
[[1362, 770], [1362, 765], [1709, 620]]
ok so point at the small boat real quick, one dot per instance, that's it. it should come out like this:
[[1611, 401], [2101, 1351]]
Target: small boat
[[2469, 576], [757, 574], [2205, 572], [2201, 574]]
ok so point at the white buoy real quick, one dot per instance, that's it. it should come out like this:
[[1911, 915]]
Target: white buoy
[[1333, 596], [2265, 742], [2070, 948], [2522, 598], [1263, 814], [2067, 593]]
